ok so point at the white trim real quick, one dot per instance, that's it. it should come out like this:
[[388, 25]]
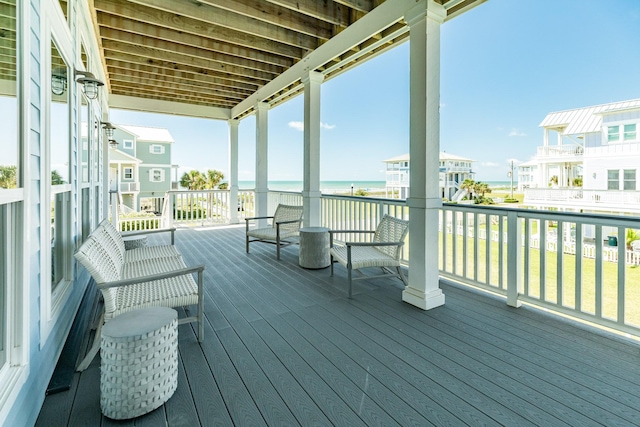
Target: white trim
[[151, 175], [152, 148], [127, 141]]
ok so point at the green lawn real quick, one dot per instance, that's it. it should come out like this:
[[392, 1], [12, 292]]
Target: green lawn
[[549, 282]]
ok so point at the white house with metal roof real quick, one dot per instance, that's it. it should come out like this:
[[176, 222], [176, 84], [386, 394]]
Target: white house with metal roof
[[593, 165], [453, 171]]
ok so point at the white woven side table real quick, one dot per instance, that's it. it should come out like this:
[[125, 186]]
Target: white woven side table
[[314, 247], [133, 242], [139, 366]]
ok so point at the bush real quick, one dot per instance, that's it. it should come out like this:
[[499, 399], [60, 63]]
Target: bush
[[510, 200]]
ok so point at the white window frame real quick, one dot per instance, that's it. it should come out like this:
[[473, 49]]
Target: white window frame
[[609, 180], [625, 180], [609, 133], [152, 173], [127, 144], [633, 135], [124, 174], [152, 149]]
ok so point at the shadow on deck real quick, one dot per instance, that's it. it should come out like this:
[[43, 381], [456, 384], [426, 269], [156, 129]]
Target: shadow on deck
[[284, 346]]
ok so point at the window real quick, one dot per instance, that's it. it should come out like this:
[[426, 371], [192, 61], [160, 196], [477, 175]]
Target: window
[[156, 149], [127, 173], [629, 179], [613, 134], [613, 180], [630, 132], [127, 143], [156, 175]]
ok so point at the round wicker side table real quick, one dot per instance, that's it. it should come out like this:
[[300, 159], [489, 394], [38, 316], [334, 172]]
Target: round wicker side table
[[314, 247], [139, 366]]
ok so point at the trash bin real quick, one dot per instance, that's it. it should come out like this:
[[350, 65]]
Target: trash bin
[[613, 240]]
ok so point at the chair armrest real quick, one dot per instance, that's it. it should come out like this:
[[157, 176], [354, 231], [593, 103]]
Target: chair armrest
[[374, 243], [352, 231], [258, 217], [288, 222], [152, 277]]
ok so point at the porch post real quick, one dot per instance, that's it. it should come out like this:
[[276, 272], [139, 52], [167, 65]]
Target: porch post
[[233, 170], [311, 183], [424, 194], [262, 153]]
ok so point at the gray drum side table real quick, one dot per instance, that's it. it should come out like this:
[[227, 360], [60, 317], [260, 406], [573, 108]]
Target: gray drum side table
[[139, 362], [314, 247]]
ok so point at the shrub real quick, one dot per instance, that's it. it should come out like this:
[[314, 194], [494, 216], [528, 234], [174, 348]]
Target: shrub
[[510, 200]]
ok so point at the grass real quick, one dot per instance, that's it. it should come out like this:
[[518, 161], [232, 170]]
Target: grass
[[544, 286]]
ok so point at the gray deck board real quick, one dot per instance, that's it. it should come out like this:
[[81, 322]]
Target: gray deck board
[[284, 346]]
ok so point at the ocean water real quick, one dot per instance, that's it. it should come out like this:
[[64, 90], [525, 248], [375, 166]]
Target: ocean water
[[345, 186], [325, 186]]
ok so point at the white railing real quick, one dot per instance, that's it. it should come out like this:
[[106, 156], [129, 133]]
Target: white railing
[[583, 197], [498, 249], [590, 280], [139, 223], [127, 187], [615, 148], [560, 151]]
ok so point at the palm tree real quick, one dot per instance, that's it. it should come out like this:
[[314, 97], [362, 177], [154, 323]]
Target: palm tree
[[468, 184], [213, 178], [56, 178], [481, 188], [193, 180]]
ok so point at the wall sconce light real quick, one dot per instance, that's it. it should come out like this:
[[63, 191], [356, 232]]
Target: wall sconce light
[[59, 81], [108, 129], [113, 144], [89, 82]]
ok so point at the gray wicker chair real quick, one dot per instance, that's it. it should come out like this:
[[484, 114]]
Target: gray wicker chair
[[285, 225], [383, 250]]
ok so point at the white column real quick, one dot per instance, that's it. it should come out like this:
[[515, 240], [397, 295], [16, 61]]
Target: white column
[[233, 170], [311, 183], [424, 195], [262, 153]]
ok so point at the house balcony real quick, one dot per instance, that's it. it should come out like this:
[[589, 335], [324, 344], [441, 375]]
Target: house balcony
[[564, 153], [129, 187], [600, 200], [284, 344]]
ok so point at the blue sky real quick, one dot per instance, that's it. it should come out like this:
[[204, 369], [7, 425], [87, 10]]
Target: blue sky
[[504, 66]]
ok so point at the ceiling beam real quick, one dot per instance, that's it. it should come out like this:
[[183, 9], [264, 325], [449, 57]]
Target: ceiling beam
[[223, 18], [125, 102], [328, 11]]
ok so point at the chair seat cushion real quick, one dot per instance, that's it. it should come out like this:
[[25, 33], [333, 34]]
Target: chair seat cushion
[[269, 233], [149, 252], [363, 256]]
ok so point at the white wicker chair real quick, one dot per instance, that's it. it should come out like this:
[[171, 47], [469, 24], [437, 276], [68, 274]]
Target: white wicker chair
[[285, 225], [154, 276], [383, 251]]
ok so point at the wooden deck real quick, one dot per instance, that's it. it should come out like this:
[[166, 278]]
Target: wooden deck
[[284, 346]]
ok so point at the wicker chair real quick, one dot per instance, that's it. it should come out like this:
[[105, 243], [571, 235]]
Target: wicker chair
[[285, 225], [383, 251], [153, 276]]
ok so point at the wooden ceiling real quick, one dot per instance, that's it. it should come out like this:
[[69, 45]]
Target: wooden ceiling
[[217, 53]]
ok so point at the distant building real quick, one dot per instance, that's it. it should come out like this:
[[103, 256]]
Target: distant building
[[453, 171], [593, 166], [140, 166]]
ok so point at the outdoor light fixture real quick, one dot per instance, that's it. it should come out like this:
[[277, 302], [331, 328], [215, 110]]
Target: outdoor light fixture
[[108, 129], [113, 144], [89, 82], [59, 81]]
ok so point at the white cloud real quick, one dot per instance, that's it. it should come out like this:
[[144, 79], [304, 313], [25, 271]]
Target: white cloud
[[297, 125], [300, 126], [515, 161], [516, 132], [490, 164]]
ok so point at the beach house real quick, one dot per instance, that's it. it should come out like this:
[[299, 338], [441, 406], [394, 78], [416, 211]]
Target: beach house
[[283, 345], [140, 166], [453, 170], [589, 160]]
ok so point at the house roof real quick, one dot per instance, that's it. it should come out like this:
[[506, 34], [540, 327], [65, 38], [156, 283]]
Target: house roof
[[443, 156], [585, 120], [218, 58], [117, 156], [148, 134]]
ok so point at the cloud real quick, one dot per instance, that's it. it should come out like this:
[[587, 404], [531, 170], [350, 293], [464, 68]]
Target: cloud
[[300, 126], [515, 161], [297, 125], [516, 132], [490, 164]]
